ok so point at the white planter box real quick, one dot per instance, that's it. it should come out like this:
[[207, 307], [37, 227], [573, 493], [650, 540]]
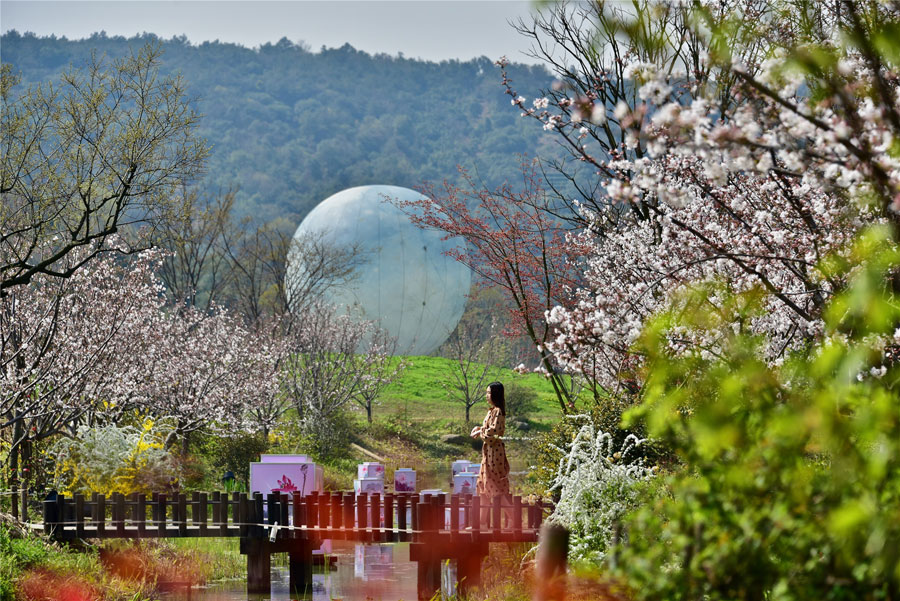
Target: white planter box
[[368, 485], [370, 469], [465, 484], [459, 466]]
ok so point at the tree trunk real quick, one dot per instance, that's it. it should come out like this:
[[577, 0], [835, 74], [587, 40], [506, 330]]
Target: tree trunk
[[369, 412], [185, 444], [14, 463]]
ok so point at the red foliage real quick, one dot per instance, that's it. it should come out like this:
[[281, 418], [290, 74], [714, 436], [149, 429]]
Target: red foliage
[[44, 585], [513, 243]]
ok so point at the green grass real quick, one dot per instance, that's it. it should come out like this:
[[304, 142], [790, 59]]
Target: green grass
[[221, 557], [421, 393], [24, 555], [417, 410]]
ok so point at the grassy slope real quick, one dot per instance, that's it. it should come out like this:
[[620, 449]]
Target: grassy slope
[[421, 394], [417, 409]]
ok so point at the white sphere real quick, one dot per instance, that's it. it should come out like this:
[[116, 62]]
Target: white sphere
[[407, 283]]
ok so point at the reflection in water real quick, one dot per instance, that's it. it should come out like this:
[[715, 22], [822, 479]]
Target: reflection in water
[[360, 573]]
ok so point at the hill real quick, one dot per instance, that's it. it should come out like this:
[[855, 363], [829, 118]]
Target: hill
[[289, 127]]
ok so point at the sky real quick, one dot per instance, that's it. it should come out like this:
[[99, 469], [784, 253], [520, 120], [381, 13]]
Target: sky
[[428, 29]]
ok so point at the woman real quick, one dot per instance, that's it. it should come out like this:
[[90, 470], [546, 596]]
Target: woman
[[493, 478]]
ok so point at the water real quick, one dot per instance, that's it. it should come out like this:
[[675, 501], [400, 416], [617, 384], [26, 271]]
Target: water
[[374, 572]]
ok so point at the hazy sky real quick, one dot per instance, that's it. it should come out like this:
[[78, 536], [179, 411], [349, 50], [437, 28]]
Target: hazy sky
[[429, 29]]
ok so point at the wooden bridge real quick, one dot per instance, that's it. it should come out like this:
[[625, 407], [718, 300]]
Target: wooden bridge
[[438, 527]]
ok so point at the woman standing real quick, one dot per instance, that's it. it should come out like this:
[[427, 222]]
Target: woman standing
[[493, 478]]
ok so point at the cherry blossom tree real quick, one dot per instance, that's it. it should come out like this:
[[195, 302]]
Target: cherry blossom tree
[[92, 349], [194, 370], [263, 395], [753, 192], [66, 346], [382, 370], [589, 46]]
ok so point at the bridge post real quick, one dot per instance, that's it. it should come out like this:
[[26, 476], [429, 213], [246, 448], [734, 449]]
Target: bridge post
[[256, 547], [259, 566], [468, 567], [51, 514], [550, 569], [300, 568], [426, 552]]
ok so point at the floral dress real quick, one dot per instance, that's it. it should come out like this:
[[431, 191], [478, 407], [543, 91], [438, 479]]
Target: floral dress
[[493, 478]]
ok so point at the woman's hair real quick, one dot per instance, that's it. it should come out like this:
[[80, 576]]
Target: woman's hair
[[497, 397]]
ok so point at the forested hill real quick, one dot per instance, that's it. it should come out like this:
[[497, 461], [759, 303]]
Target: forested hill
[[290, 127]]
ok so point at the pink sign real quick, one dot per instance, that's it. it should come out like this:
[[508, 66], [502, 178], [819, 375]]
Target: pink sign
[[282, 477]]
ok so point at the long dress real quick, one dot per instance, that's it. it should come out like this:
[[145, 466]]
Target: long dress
[[493, 478]]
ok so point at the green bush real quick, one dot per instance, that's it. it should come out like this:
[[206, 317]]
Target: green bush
[[521, 401], [792, 482], [233, 454]]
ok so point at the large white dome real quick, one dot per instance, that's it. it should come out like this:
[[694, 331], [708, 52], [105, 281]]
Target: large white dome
[[407, 283]]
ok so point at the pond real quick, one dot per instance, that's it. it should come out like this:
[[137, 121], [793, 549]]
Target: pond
[[357, 572]]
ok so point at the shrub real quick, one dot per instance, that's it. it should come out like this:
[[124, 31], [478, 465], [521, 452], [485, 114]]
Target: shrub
[[792, 481], [605, 416], [107, 459], [597, 482], [520, 400], [234, 453]]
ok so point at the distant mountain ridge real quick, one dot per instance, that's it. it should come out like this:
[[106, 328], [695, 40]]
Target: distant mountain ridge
[[290, 127]]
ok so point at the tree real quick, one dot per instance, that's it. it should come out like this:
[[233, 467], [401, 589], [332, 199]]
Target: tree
[[701, 185], [202, 370], [265, 399], [196, 270], [260, 270], [91, 165], [474, 348], [511, 244], [318, 265], [69, 348], [272, 272], [591, 47], [332, 360], [383, 370]]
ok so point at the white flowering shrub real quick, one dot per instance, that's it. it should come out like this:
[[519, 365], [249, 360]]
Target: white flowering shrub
[[108, 459], [597, 485]]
